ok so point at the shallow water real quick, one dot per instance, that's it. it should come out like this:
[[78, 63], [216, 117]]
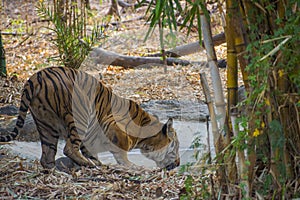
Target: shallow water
[[188, 123], [186, 131]]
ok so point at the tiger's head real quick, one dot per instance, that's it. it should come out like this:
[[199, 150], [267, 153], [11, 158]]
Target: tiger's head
[[163, 147]]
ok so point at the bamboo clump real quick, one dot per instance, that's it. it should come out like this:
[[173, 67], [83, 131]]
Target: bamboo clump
[[272, 129]]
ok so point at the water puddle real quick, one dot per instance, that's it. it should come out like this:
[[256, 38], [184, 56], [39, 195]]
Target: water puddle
[[188, 123]]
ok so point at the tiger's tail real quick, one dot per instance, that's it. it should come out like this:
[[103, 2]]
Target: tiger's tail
[[24, 106]]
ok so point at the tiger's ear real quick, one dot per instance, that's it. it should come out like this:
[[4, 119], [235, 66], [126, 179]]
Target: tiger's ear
[[167, 128]]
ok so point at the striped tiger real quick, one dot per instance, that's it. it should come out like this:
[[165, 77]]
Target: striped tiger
[[91, 118]]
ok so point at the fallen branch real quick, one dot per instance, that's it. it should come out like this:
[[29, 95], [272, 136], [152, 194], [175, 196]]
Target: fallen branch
[[101, 56], [191, 48], [13, 33], [124, 4], [116, 23]]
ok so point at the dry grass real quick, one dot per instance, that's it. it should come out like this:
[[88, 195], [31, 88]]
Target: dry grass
[[21, 179]]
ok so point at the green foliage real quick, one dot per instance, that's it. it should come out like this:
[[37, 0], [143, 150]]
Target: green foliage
[[72, 41], [188, 185], [239, 141], [162, 13], [17, 26], [2, 58], [274, 76], [193, 11], [198, 187], [197, 145], [195, 188], [273, 53], [290, 51]]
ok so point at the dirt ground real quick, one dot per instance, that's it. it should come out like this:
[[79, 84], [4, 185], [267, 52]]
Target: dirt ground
[[28, 53]]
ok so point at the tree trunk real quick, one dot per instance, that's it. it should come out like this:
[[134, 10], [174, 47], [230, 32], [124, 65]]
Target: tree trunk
[[114, 11]]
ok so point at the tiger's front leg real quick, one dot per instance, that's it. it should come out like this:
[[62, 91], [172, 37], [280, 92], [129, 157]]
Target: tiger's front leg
[[122, 159]]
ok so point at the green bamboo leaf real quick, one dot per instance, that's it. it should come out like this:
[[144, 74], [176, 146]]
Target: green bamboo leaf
[[192, 17], [151, 28], [178, 6], [149, 6], [199, 24], [158, 9], [171, 15], [204, 10], [187, 18]]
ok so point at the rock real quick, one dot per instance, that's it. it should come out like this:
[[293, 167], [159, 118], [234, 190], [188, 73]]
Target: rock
[[182, 110], [65, 164], [28, 132], [9, 110]]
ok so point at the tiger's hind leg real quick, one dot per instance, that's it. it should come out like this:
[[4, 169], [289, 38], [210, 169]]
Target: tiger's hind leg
[[72, 151], [74, 143], [86, 153], [49, 148]]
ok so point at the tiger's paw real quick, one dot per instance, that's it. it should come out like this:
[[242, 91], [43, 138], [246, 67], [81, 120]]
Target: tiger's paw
[[138, 168], [94, 162], [135, 167]]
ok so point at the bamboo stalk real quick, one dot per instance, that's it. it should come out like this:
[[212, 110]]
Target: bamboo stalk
[[242, 169], [283, 86], [217, 137], [232, 84], [241, 42], [211, 109], [248, 12], [213, 196], [219, 127], [213, 66]]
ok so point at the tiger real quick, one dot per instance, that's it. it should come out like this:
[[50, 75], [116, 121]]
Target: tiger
[[73, 105]]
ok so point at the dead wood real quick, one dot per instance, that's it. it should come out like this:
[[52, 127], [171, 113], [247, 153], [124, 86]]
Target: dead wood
[[101, 56], [113, 10], [191, 48], [116, 23], [124, 4], [13, 33]]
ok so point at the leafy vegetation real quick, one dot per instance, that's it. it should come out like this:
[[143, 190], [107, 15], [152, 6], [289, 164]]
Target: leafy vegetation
[[274, 78], [2, 58], [72, 38]]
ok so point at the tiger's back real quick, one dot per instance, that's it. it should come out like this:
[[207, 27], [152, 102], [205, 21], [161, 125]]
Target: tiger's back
[[70, 103]]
